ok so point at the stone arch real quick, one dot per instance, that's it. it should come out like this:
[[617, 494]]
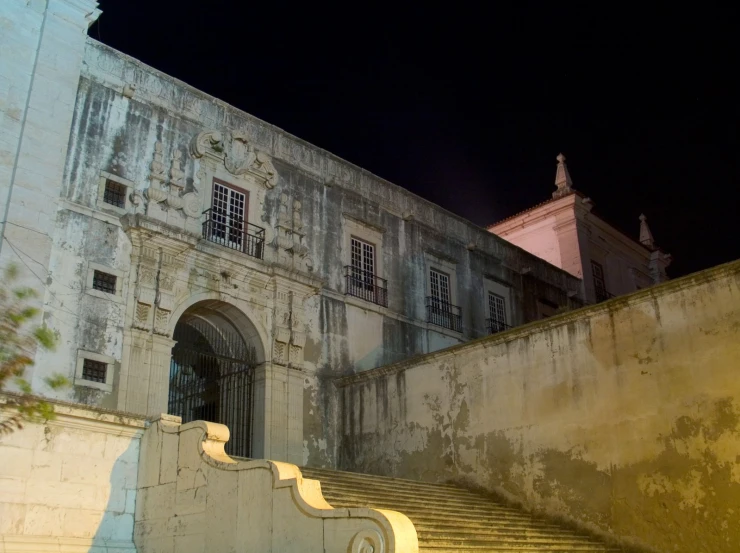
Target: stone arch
[[212, 369], [232, 313]]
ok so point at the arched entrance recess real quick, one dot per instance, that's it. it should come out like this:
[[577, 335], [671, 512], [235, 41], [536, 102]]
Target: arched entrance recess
[[212, 370]]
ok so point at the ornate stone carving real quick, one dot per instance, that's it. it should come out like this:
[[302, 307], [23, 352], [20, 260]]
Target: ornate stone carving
[[157, 176], [176, 173], [237, 154]]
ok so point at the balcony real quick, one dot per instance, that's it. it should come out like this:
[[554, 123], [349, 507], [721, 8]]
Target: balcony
[[234, 234], [495, 326], [603, 295], [444, 314], [365, 285]]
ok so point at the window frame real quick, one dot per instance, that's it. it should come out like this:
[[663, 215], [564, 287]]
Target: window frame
[[117, 297], [105, 206], [80, 380], [502, 290]]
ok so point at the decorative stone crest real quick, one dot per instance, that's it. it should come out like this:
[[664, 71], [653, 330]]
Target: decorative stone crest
[[238, 155], [290, 236]]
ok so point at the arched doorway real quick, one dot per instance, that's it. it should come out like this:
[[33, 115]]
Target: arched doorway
[[212, 370]]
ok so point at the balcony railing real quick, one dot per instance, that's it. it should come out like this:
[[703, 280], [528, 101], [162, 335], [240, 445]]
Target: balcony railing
[[495, 326], [365, 285], [233, 233], [444, 314], [602, 294]]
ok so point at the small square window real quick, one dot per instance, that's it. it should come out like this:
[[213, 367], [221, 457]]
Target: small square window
[[115, 193], [105, 282], [94, 371]]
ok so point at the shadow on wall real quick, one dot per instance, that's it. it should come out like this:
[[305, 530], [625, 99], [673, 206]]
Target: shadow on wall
[[115, 533]]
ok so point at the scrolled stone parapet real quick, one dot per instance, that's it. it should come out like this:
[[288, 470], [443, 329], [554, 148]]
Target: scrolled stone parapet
[[184, 470]]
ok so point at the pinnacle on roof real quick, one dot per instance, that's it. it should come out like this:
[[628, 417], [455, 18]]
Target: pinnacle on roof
[[562, 179], [646, 237]]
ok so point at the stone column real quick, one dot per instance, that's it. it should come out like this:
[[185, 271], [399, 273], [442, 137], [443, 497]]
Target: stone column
[[159, 375]]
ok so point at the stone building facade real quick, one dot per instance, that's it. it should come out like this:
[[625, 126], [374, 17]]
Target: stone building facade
[[565, 232], [171, 231]]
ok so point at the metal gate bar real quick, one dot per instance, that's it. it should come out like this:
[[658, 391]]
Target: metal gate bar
[[211, 376]]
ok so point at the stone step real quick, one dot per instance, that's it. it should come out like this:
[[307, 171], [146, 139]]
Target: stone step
[[496, 545], [430, 508], [450, 518], [336, 475], [465, 496], [480, 527], [494, 537]]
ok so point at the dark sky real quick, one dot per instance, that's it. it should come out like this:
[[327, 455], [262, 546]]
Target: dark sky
[[468, 106]]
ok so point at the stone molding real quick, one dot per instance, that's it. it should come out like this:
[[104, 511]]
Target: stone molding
[[284, 511]]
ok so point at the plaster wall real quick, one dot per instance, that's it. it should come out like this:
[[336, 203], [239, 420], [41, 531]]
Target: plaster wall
[[70, 484], [539, 238], [565, 233], [623, 417]]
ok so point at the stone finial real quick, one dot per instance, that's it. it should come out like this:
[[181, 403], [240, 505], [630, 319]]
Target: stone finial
[[646, 237], [562, 179]]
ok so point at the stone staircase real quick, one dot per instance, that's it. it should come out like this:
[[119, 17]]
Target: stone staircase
[[450, 519]]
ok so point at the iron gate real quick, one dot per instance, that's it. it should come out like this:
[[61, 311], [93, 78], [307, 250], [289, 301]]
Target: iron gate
[[211, 375]]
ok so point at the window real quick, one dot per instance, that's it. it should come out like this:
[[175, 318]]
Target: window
[[360, 274], [226, 221], [228, 209], [115, 194], [94, 371], [440, 310], [599, 282], [440, 286], [105, 282], [496, 313], [362, 247], [363, 257]]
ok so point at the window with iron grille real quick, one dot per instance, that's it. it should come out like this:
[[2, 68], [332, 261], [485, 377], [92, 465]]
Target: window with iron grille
[[104, 282], [94, 371], [114, 193], [496, 312]]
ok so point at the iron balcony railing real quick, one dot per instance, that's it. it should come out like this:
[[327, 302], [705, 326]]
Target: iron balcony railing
[[234, 233], [444, 314], [365, 285], [495, 326], [602, 294]]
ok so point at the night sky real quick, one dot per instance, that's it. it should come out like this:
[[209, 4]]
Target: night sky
[[468, 106]]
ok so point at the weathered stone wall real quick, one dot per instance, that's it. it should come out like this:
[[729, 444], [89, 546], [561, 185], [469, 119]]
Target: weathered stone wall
[[623, 416], [165, 142], [70, 484]]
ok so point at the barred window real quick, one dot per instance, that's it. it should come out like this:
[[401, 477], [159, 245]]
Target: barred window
[[115, 193], [94, 371], [104, 282]]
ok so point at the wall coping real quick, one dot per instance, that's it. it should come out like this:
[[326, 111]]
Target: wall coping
[[610, 306], [84, 417]]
